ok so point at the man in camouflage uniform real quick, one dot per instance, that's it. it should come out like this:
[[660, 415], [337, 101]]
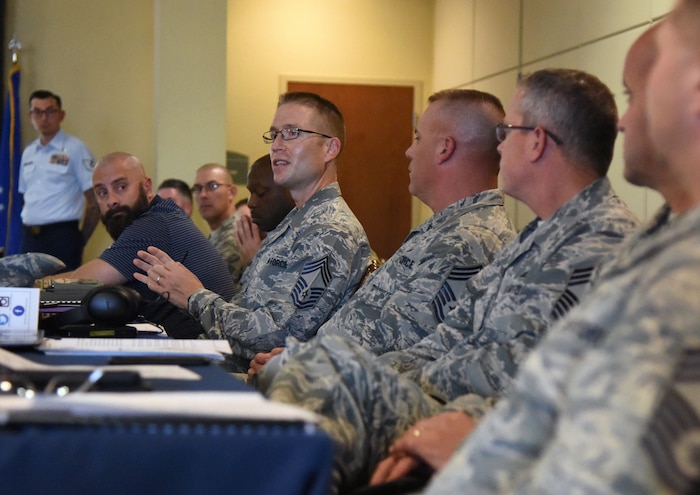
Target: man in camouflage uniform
[[556, 150], [215, 195], [609, 402], [454, 170], [307, 267]]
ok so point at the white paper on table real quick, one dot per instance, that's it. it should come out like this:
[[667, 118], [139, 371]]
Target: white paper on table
[[201, 405], [18, 364], [212, 349]]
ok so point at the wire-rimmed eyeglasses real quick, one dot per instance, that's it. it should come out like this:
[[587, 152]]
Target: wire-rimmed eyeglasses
[[502, 132], [210, 186], [289, 133]]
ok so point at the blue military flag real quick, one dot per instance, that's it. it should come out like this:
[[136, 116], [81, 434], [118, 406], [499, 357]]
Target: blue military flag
[[10, 157]]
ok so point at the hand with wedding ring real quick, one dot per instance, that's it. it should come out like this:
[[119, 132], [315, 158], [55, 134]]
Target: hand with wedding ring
[[431, 441], [166, 277]]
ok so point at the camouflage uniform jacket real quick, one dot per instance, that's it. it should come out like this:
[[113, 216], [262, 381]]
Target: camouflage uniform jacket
[[610, 401], [305, 269], [224, 241], [405, 299], [365, 404], [511, 303]]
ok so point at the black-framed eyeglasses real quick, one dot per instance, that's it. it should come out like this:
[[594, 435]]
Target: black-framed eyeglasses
[[49, 112], [503, 129], [210, 186], [289, 133]]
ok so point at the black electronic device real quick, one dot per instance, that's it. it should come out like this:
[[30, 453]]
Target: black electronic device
[[111, 304], [103, 312]]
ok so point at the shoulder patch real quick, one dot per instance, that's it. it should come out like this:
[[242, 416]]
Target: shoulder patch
[[311, 284], [89, 164], [672, 440], [446, 298]]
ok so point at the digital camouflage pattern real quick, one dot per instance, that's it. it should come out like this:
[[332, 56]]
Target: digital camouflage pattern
[[408, 295], [223, 240], [508, 306], [610, 401], [305, 269], [405, 299], [21, 270]]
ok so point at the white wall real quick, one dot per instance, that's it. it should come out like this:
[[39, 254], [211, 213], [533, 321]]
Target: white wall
[[178, 82], [480, 44], [146, 77]]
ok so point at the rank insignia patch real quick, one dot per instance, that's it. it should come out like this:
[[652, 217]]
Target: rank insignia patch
[[314, 278], [446, 298]]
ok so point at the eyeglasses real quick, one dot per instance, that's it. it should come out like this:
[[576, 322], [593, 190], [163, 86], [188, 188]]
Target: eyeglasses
[[503, 129], [49, 112], [209, 186], [289, 133]]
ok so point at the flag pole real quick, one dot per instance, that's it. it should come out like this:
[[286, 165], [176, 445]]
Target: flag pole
[[10, 153]]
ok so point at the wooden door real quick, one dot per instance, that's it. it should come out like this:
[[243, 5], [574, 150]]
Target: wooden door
[[373, 169]]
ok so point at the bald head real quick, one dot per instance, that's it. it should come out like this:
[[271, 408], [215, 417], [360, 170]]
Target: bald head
[[454, 154], [122, 160], [642, 165], [471, 117], [122, 189]]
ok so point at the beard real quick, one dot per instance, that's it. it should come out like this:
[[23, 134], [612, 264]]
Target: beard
[[120, 217]]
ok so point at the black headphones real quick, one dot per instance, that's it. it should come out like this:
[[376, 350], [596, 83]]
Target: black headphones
[[112, 305]]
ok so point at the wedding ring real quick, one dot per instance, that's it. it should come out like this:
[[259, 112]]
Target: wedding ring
[[416, 432], [158, 279]]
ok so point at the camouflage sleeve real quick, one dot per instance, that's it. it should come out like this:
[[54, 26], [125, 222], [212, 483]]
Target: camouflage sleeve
[[474, 405], [223, 240], [324, 264], [410, 294], [460, 359], [362, 405], [607, 404], [485, 362]]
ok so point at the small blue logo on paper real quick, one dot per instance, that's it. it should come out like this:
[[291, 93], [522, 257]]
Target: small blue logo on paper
[[4, 320], [18, 310]]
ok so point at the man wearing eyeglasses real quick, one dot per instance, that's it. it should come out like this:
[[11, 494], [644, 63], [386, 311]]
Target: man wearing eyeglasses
[[307, 267], [55, 180], [215, 195], [410, 408]]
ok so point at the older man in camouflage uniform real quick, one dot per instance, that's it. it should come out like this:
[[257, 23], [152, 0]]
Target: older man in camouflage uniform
[[306, 267], [215, 195], [609, 402], [454, 170], [556, 149]]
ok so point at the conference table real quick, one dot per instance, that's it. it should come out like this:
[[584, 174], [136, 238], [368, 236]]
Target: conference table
[[208, 433]]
